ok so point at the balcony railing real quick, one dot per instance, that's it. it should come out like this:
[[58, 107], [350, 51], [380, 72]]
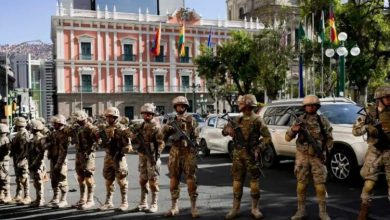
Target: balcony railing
[[185, 60], [128, 57], [174, 89], [85, 56], [85, 89], [160, 59], [130, 89]]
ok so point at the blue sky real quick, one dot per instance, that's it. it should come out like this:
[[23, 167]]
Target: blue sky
[[23, 20]]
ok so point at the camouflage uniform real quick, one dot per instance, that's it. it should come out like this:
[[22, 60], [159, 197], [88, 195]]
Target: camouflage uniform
[[246, 152], [57, 154], [5, 194], [182, 159], [19, 148], [307, 161], [36, 164], [85, 135], [149, 157], [116, 143], [378, 153]]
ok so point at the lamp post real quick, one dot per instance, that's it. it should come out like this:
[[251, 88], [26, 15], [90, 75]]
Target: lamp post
[[342, 51], [202, 101], [194, 87]]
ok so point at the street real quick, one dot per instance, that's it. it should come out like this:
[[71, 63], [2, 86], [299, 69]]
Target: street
[[278, 199]]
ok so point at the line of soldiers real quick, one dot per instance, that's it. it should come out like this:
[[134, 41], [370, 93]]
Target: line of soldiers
[[250, 137]]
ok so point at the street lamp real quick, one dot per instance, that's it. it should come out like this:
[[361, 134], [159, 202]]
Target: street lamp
[[342, 51], [202, 102], [194, 87]]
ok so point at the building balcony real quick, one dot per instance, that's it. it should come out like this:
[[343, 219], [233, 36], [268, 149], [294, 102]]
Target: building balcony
[[174, 89], [85, 57], [128, 57], [160, 59], [184, 60], [130, 89], [85, 89]]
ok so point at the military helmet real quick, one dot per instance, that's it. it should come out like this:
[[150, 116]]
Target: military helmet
[[148, 108], [311, 100], [124, 120], [59, 119], [20, 122], [180, 100], [112, 111], [381, 92], [247, 100], [41, 120], [80, 115], [37, 125], [4, 128]]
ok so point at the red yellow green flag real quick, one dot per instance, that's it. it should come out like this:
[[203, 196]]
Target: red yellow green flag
[[156, 43], [182, 51], [332, 24]]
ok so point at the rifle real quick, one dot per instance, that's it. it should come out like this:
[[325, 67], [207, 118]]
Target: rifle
[[303, 130], [383, 140], [113, 145], [146, 148], [180, 135]]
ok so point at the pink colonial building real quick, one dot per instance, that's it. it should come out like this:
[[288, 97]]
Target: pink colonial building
[[104, 59]]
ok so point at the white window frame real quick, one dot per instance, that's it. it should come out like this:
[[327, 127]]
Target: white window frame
[[128, 41], [85, 71], [128, 72], [185, 72], [87, 39], [159, 72]]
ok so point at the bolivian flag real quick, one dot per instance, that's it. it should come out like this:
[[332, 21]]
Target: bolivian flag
[[156, 43], [182, 51], [332, 24]]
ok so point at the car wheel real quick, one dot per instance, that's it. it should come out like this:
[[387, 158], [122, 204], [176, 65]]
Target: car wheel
[[269, 157], [203, 147], [230, 150], [342, 164]]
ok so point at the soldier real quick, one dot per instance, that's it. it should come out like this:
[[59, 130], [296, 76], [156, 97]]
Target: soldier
[[57, 154], [19, 148], [150, 138], [306, 159], [5, 194], [36, 164], [246, 131], [86, 137], [125, 121], [182, 157], [376, 123], [116, 143]]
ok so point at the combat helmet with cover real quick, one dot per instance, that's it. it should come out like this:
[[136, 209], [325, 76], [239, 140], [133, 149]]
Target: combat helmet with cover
[[180, 100], [37, 125], [80, 115], [311, 100], [112, 111], [20, 122], [382, 91], [59, 119], [247, 100], [148, 108]]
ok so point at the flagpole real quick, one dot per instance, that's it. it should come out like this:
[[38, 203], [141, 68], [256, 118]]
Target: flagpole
[[322, 52]]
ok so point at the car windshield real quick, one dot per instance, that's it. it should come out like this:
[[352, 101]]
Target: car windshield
[[198, 118], [340, 113]]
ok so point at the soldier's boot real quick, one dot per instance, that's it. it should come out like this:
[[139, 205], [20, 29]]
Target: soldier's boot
[[90, 201], [321, 196], [108, 204], [364, 210], [143, 204], [235, 210], [18, 197], [301, 209], [1, 196], [56, 198], [154, 206], [39, 201], [63, 203], [255, 209], [81, 202], [124, 205], [26, 199], [174, 210], [7, 196], [194, 209]]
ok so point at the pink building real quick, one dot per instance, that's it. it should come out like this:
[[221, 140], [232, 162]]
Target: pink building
[[104, 59]]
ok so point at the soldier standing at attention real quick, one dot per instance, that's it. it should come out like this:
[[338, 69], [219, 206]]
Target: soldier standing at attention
[[19, 148], [376, 123], [306, 159], [116, 142], [57, 154], [246, 131], [5, 193], [86, 138], [149, 136], [36, 164], [182, 157]]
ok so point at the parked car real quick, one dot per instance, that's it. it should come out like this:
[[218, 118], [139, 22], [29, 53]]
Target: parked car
[[348, 151], [211, 138]]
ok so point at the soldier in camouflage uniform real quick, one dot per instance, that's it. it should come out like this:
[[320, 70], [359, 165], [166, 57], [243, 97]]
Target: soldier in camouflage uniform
[[182, 158], [378, 153], [246, 153], [86, 137], [125, 121], [19, 148], [306, 160], [57, 154], [116, 142], [36, 164], [151, 143], [5, 194]]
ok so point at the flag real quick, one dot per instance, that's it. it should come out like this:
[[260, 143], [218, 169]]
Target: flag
[[332, 24], [301, 32], [322, 27], [182, 51], [156, 43], [300, 82], [209, 39]]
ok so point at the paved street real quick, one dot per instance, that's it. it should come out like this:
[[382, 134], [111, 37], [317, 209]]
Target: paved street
[[277, 200]]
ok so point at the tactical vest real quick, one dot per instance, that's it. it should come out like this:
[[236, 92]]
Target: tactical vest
[[148, 131], [85, 139], [36, 148], [4, 148], [251, 132], [185, 124], [384, 118]]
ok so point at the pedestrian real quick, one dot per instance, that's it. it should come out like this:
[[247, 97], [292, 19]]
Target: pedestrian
[[307, 161], [182, 157], [116, 143], [36, 164], [376, 123], [148, 135], [86, 143], [250, 137], [5, 177], [57, 152], [19, 148]]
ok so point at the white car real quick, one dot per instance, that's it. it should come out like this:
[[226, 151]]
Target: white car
[[211, 138]]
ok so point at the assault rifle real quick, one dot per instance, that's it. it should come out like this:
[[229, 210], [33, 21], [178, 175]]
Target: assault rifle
[[145, 148], [309, 138], [113, 145], [383, 139], [180, 135]]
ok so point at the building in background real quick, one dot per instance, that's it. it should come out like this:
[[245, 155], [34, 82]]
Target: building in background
[[5, 71], [103, 58]]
